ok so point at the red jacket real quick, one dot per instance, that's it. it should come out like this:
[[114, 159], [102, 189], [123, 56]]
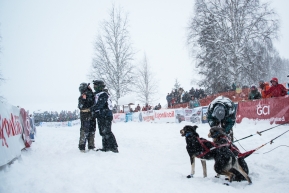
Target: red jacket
[[276, 91]]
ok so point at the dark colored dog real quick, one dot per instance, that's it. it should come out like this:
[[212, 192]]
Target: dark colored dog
[[204, 149], [220, 138]]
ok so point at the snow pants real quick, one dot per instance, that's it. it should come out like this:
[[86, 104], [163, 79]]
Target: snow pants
[[87, 133], [108, 138]]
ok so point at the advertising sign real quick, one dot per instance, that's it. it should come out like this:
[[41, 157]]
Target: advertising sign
[[11, 142], [274, 109], [118, 117], [165, 115], [148, 116]]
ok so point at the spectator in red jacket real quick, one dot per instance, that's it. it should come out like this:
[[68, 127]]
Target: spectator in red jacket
[[276, 90]]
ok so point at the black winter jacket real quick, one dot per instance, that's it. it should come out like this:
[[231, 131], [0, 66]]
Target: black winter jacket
[[100, 109], [86, 103]]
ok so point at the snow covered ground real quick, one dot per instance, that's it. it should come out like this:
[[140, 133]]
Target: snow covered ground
[[152, 158]]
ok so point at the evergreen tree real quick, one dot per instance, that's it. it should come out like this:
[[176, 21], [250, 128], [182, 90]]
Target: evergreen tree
[[177, 85]]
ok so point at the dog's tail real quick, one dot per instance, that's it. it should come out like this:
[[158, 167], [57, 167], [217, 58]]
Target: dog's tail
[[240, 169]]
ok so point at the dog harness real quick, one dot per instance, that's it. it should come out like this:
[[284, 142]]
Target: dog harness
[[228, 144], [207, 150], [233, 148]]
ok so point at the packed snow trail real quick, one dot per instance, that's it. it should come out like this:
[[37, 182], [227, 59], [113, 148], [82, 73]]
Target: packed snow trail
[[152, 158]]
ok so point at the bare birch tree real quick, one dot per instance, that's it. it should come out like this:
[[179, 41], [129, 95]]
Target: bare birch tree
[[225, 37], [146, 85], [114, 55]]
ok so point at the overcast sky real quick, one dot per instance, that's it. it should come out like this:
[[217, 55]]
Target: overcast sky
[[47, 46]]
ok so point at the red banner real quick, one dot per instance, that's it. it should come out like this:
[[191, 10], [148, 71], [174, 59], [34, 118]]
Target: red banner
[[273, 109]]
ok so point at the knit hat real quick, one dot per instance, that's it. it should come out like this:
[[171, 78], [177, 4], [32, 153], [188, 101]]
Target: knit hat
[[219, 112], [274, 79]]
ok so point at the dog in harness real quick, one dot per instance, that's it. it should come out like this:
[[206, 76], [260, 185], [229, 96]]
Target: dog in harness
[[201, 148], [220, 138]]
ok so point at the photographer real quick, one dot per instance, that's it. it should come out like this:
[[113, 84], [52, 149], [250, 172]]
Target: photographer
[[88, 124]]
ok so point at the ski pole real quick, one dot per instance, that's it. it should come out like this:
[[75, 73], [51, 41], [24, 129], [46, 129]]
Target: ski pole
[[271, 140], [250, 152], [278, 137], [244, 138], [259, 132]]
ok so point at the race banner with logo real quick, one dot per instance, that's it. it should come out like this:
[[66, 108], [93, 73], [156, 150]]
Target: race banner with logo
[[148, 116], [274, 109], [165, 115], [118, 117], [193, 115], [11, 142]]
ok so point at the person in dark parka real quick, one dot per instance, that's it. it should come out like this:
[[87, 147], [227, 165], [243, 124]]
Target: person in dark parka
[[88, 124], [102, 110], [221, 112]]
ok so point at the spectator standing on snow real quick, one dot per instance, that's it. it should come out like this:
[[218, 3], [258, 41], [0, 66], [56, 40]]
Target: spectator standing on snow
[[276, 90], [137, 108], [194, 102], [159, 106], [169, 99], [33, 128], [102, 110], [88, 124], [254, 93]]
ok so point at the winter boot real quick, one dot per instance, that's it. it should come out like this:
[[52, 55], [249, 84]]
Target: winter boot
[[81, 147], [114, 150]]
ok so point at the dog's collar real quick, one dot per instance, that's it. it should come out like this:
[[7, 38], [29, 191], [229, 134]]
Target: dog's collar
[[188, 134]]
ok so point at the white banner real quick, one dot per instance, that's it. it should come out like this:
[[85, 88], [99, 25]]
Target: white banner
[[137, 117], [10, 133], [165, 115], [148, 116], [118, 117]]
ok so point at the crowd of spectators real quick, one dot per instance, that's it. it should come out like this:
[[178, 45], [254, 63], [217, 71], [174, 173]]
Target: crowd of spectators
[[235, 92], [54, 116], [147, 107], [267, 91], [178, 96], [194, 97], [138, 108]]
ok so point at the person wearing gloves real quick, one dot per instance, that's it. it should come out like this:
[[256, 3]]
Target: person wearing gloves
[[221, 112], [88, 124], [102, 111]]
